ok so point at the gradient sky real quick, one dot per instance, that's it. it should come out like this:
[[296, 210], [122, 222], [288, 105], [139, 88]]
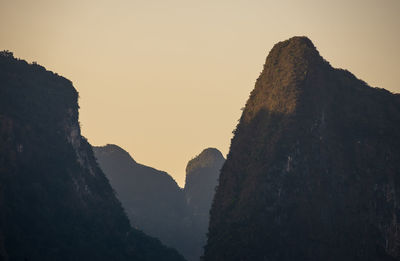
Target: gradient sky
[[166, 79]]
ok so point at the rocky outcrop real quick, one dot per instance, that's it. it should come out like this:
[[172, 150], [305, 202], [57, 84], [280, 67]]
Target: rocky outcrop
[[313, 168]]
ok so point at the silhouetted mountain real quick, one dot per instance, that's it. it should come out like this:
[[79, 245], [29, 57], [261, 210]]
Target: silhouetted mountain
[[152, 199], [202, 174], [313, 170], [55, 202], [154, 202]]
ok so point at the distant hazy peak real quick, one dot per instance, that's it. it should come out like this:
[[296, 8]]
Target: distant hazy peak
[[207, 158], [202, 174], [112, 149]]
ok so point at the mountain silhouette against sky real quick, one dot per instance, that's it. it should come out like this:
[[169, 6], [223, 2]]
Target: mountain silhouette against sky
[[313, 171], [151, 198], [202, 173], [154, 202], [55, 202]]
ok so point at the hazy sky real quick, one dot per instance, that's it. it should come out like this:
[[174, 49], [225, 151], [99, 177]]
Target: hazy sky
[[166, 79]]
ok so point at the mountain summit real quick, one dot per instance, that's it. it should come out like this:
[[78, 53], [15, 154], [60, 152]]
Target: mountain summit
[[202, 173], [279, 86], [313, 171]]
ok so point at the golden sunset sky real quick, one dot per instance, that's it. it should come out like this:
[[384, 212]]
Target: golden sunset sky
[[166, 79]]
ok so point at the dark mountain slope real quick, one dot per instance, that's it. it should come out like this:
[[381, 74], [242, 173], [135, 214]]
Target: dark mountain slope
[[55, 202], [313, 170]]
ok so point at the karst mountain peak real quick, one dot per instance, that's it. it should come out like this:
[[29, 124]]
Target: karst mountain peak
[[288, 67], [312, 171]]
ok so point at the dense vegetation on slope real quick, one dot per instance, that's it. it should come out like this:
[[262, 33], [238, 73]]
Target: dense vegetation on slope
[[154, 202], [55, 202], [313, 171]]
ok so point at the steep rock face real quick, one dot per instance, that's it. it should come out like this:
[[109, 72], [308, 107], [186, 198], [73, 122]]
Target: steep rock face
[[55, 202], [202, 174], [152, 199], [313, 170]]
